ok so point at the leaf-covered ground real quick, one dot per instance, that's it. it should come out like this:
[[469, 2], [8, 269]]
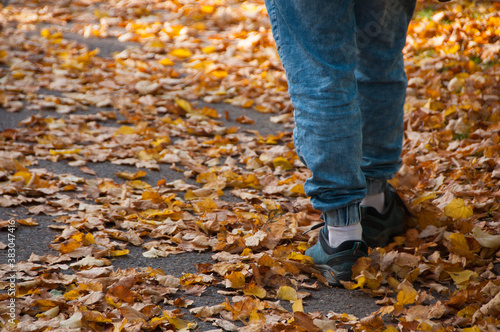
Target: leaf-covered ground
[[240, 193]]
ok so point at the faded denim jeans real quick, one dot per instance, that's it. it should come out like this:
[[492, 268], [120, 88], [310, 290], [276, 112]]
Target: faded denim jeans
[[344, 66]]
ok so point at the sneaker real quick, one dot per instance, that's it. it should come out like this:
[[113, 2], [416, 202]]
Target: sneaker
[[336, 263], [380, 228]]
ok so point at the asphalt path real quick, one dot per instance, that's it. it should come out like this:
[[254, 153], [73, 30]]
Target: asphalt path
[[36, 239]]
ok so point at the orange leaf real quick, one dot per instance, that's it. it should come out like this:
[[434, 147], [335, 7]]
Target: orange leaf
[[69, 246], [122, 293], [237, 279]]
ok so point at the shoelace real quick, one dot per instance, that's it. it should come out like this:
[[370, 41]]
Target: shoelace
[[322, 224]]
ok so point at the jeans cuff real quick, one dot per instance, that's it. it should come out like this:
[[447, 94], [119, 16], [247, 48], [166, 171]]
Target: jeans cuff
[[344, 216], [375, 186]]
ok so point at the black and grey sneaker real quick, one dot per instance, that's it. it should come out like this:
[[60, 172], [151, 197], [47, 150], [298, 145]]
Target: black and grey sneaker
[[380, 228], [336, 263]]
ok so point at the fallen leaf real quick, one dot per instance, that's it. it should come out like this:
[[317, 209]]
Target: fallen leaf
[[287, 293], [457, 209]]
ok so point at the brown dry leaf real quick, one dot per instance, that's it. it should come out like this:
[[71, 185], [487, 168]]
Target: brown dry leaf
[[122, 293], [372, 321], [90, 261], [182, 302], [489, 309], [204, 312], [305, 322], [27, 222], [485, 239]]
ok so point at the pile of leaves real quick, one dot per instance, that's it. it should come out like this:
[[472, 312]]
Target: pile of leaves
[[239, 193]]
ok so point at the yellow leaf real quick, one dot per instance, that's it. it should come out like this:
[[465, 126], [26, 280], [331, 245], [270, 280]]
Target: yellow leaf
[[297, 306], [283, 162], [95, 316], [45, 33], [88, 239], [151, 213], [160, 141], [138, 184], [182, 53], [254, 290], [184, 104], [100, 14], [78, 236], [189, 196], [472, 329], [220, 74], [67, 151], [110, 301], [131, 176], [181, 324], [122, 252], [237, 279], [71, 295], [69, 246], [206, 9], [462, 276], [189, 278], [205, 205], [452, 49], [457, 209], [423, 197], [406, 294], [125, 130], [246, 252], [287, 293], [460, 245], [297, 189], [145, 155], [208, 49], [156, 43], [368, 280], [301, 258], [166, 62]]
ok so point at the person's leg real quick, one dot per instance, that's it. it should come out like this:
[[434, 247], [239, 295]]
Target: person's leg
[[316, 44], [381, 27], [317, 47]]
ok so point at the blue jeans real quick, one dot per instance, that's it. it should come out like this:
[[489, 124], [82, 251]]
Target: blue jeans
[[344, 66]]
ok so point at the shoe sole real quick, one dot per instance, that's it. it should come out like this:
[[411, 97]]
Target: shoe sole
[[333, 276]]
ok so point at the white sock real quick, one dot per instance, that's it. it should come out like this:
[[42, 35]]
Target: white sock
[[376, 201], [339, 234]]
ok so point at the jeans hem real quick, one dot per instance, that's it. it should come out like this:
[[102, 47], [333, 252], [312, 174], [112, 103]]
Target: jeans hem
[[345, 216]]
